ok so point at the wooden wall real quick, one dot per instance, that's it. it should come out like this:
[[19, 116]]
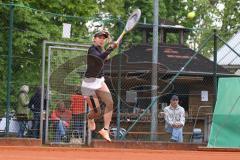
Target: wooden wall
[[195, 98]]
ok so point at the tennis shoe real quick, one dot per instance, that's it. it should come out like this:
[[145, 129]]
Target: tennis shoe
[[105, 134]]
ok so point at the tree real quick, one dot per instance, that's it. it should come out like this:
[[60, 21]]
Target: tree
[[30, 29]]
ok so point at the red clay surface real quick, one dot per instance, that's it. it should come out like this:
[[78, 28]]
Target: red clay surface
[[62, 153]]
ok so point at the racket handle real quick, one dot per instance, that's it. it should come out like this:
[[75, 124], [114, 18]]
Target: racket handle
[[120, 37]]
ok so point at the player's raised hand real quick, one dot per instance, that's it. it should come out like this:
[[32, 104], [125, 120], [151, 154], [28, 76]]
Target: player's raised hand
[[114, 45]]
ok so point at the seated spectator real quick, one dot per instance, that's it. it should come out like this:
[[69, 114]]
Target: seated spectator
[[61, 117], [78, 111], [174, 119], [22, 110]]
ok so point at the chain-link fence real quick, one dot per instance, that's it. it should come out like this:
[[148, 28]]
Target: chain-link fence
[[24, 40], [186, 67], [189, 63], [65, 68]]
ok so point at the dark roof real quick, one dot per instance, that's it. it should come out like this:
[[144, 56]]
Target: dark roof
[[171, 58], [164, 24], [168, 28]]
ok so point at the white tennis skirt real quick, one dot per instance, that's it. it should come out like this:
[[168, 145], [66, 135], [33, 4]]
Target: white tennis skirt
[[89, 85]]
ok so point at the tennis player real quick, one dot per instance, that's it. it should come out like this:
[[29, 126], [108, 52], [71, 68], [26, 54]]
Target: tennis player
[[93, 85]]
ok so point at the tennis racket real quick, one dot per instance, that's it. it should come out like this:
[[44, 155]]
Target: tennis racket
[[131, 23]]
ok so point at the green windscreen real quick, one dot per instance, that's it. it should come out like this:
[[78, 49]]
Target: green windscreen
[[225, 130]]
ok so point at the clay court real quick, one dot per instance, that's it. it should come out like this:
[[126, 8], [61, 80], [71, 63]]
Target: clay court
[[149, 57], [62, 153]]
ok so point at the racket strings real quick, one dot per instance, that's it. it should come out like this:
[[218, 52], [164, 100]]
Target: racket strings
[[133, 20]]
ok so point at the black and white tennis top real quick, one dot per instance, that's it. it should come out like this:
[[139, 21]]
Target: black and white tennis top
[[95, 61]]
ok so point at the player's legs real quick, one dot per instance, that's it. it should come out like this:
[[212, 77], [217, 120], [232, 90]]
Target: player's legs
[[104, 94], [106, 97], [93, 104]]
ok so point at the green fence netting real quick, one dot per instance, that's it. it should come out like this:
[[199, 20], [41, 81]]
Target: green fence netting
[[226, 122]]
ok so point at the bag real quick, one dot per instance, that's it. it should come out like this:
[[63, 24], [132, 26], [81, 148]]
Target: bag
[[95, 115], [113, 132], [30, 114], [75, 138]]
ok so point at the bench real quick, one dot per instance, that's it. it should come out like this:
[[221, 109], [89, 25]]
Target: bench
[[156, 133], [138, 134]]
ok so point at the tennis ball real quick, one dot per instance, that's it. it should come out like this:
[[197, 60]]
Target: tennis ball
[[191, 15]]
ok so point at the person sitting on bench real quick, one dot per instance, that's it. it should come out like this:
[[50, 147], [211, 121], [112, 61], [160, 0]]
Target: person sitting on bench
[[174, 119], [61, 117]]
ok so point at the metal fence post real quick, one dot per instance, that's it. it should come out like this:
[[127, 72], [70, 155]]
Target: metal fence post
[[215, 66], [9, 59], [119, 84], [154, 111]]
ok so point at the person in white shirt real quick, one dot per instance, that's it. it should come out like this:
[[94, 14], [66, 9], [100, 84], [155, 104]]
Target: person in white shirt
[[174, 119]]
